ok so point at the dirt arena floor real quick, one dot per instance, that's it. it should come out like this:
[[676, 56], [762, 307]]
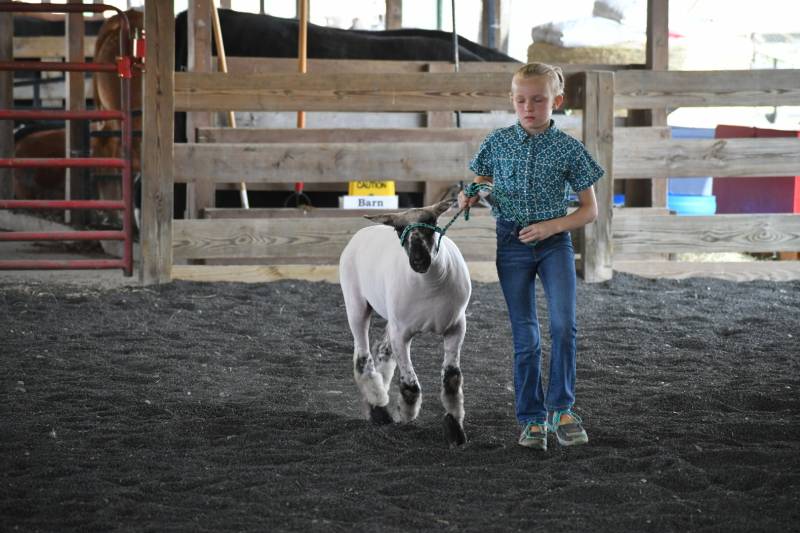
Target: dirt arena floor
[[231, 407]]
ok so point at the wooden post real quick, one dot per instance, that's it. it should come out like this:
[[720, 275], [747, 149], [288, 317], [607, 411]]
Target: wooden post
[[199, 195], [6, 102], [495, 24], [437, 119], [658, 59], [598, 137], [157, 143], [394, 14], [76, 186], [653, 192]]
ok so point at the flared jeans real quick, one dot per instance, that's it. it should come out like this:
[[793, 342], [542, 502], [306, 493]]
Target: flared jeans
[[518, 265]]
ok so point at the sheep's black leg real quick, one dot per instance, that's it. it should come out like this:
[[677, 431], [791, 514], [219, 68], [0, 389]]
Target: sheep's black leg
[[379, 415], [384, 360], [453, 432], [452, 395], [410, 391]]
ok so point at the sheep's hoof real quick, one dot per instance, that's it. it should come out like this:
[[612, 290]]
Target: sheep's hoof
[[380, 415], [453, 431]]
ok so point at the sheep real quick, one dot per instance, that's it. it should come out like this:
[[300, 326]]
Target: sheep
[[420, 284]]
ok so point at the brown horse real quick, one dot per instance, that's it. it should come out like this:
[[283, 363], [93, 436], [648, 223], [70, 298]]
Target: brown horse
[[39, 183]]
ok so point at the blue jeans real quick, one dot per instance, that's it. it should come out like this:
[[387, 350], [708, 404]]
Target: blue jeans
[[518, 264]]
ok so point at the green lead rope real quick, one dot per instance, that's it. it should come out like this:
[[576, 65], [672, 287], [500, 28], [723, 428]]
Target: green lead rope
[[469, 191], [473, 189]]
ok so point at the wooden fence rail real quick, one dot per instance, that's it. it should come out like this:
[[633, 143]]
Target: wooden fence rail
[[703, 234], [720, 158], [320, 162], [314, 239], [478, 91], [412, 154], [648, 89]]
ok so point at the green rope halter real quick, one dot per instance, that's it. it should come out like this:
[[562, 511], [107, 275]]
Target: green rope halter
[[407, 230], [469, 191]]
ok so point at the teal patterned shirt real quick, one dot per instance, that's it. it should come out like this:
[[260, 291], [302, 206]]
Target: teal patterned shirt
[[533, 174]]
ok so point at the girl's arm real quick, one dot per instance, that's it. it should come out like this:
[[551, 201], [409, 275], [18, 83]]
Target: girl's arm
[[585, 214]]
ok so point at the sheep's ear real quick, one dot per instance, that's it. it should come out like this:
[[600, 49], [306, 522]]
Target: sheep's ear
[[387, 219], [441, 207]]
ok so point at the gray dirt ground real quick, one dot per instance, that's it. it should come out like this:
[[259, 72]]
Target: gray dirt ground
[[227, 407]]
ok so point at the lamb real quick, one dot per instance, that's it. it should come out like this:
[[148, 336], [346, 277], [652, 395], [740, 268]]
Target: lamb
[[420, 284]]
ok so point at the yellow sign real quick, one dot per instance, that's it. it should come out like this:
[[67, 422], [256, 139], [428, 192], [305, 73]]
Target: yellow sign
[[371, 188]]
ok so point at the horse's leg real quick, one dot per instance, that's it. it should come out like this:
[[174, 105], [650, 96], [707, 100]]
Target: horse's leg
[[368, 379], [384, 360], [407, 406], [452, 394]]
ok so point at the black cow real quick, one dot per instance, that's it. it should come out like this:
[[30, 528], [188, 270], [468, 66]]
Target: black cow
[[250, 35]]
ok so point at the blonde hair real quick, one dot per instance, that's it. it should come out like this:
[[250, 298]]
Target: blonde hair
[[554, 75]]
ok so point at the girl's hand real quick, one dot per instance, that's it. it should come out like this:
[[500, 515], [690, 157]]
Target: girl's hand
[[464, 201], [537, 232]]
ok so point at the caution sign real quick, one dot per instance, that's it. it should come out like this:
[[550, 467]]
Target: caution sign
[[371, 188]]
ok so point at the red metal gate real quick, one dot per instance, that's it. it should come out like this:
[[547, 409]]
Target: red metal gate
[[123, 68]]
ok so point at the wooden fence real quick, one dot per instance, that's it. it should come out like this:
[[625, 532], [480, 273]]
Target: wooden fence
[[264, 156], [321, 155], [721, 158]]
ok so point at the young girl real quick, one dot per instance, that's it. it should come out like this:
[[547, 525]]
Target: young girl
[[532, 165]]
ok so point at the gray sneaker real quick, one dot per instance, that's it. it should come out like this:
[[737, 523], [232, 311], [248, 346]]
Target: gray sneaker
[[567, 427], [534, 436]]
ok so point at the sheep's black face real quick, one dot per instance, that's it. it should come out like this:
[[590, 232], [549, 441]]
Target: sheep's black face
[[419, 245], [420, 241]]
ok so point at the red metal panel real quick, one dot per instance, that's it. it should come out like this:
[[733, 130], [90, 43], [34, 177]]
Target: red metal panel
[[64, 264], [57, 114], [124, 114], [66, 162], [62, 204], [104, 235], [62, 66]]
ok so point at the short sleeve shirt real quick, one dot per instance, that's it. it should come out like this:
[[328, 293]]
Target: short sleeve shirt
[[533, 174]]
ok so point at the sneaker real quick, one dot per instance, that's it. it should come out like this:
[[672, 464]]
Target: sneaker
[[534, 436], [567, 427]]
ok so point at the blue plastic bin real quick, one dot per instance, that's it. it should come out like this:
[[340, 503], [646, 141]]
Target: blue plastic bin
[[691, 186], [692, 204]]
